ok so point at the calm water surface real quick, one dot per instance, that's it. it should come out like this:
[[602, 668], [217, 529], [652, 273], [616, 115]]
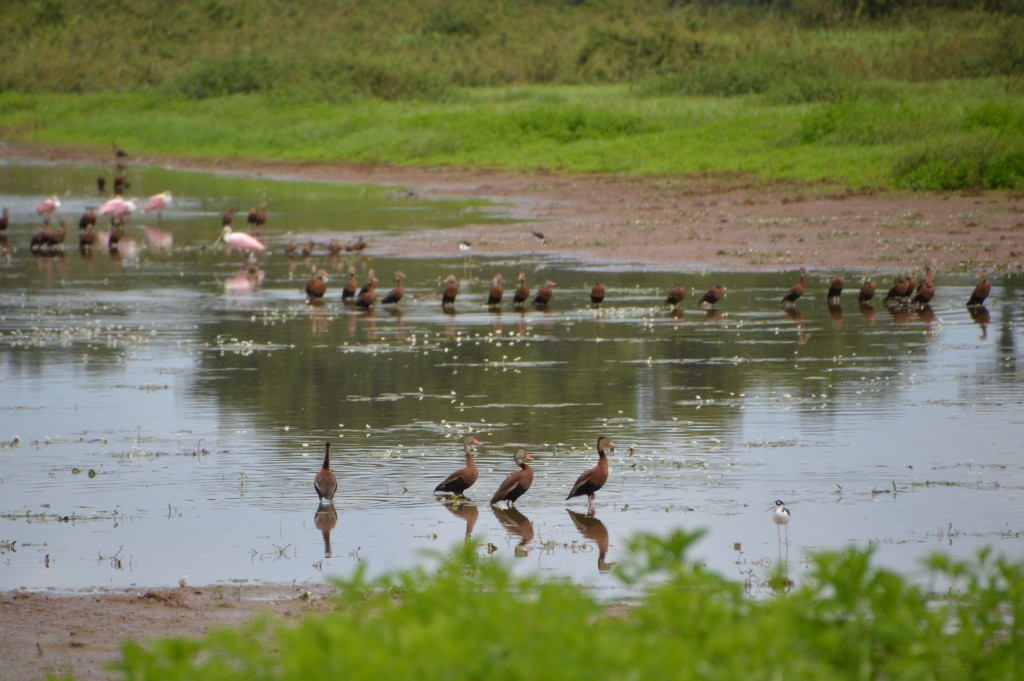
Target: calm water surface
[[161, 418]]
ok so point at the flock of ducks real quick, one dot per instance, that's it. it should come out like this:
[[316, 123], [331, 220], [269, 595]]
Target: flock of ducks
[[514, 485]]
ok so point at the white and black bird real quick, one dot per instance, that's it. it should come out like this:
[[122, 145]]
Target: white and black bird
[[781, 516]]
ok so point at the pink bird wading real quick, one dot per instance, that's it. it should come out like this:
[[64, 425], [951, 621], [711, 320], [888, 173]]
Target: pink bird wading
[[118, 207], [157, 203], [240, 241]]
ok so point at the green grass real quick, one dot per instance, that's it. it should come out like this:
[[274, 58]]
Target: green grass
[[914, 94], [946, 135], [470, 619]]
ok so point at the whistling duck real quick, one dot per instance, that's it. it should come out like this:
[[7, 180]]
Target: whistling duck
[[371, 277], [780, 516], [458, 482], [257, 215], [867, 292], [712, 296], [835, 289], [597, 293], [120, 184], [496, 293], [925, 293], [325, 483], [368, 296], [119, 153], [676, 296], [157, 203], [980, 292], [516, 484], [591, 481], [316, 287], [451, 290], [114, 238], [307, 250], [351, 285], [356, 244], [797, 290], [335, 247], [88, 219], [5, 219], [395, 294], [522, 292], [46, 208], [101, 184], [901, 288], [40, 240], [544, 294], [227, 217]]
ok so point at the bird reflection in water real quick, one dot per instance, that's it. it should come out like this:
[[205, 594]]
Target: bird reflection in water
[[593, 530], [517, 525], [836, 312], [326, 519], [797, 317], [982, 318], [468, 512]]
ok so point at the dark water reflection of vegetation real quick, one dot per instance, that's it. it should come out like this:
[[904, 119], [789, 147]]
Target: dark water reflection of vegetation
[[192, 401]]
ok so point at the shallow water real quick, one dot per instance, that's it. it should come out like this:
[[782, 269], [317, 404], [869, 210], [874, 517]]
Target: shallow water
[[163, 420]]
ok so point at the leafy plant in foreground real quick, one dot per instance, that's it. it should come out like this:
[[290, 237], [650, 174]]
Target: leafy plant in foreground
[[470, 619]]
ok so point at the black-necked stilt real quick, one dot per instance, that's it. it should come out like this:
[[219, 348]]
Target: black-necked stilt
[[781, 517]]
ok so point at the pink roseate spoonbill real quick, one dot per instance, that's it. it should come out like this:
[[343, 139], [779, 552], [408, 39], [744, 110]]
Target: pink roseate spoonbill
[[980, 292], [591, 481], [712, 296], [597, 293], [458, 482], [316, 287], [867, 292], [516, 484], [325, 483], [496, 293], [544, 294], [5, 219], [239, 241], [351, 286], [835, 289], [522, 292], [451, 289], [157, 203], [796, 291], [119, 208], [47, 207], [397, 292], [368, 296], [676, 296]]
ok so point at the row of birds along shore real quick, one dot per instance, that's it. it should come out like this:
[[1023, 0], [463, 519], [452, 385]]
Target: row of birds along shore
[[907, 290]]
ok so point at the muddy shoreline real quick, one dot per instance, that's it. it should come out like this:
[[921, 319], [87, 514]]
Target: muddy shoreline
[[717, 223]]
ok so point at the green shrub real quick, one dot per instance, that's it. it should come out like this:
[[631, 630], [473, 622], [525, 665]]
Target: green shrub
[[470, 619], [980, 162]]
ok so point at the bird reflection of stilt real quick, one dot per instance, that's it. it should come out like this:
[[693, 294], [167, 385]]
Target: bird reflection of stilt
[[468, 512], [326, 519], [517, 525], [594, 530]]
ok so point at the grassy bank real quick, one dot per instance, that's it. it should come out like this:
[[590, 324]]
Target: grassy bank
[[901, 93], [944, 135], [471, 619]]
